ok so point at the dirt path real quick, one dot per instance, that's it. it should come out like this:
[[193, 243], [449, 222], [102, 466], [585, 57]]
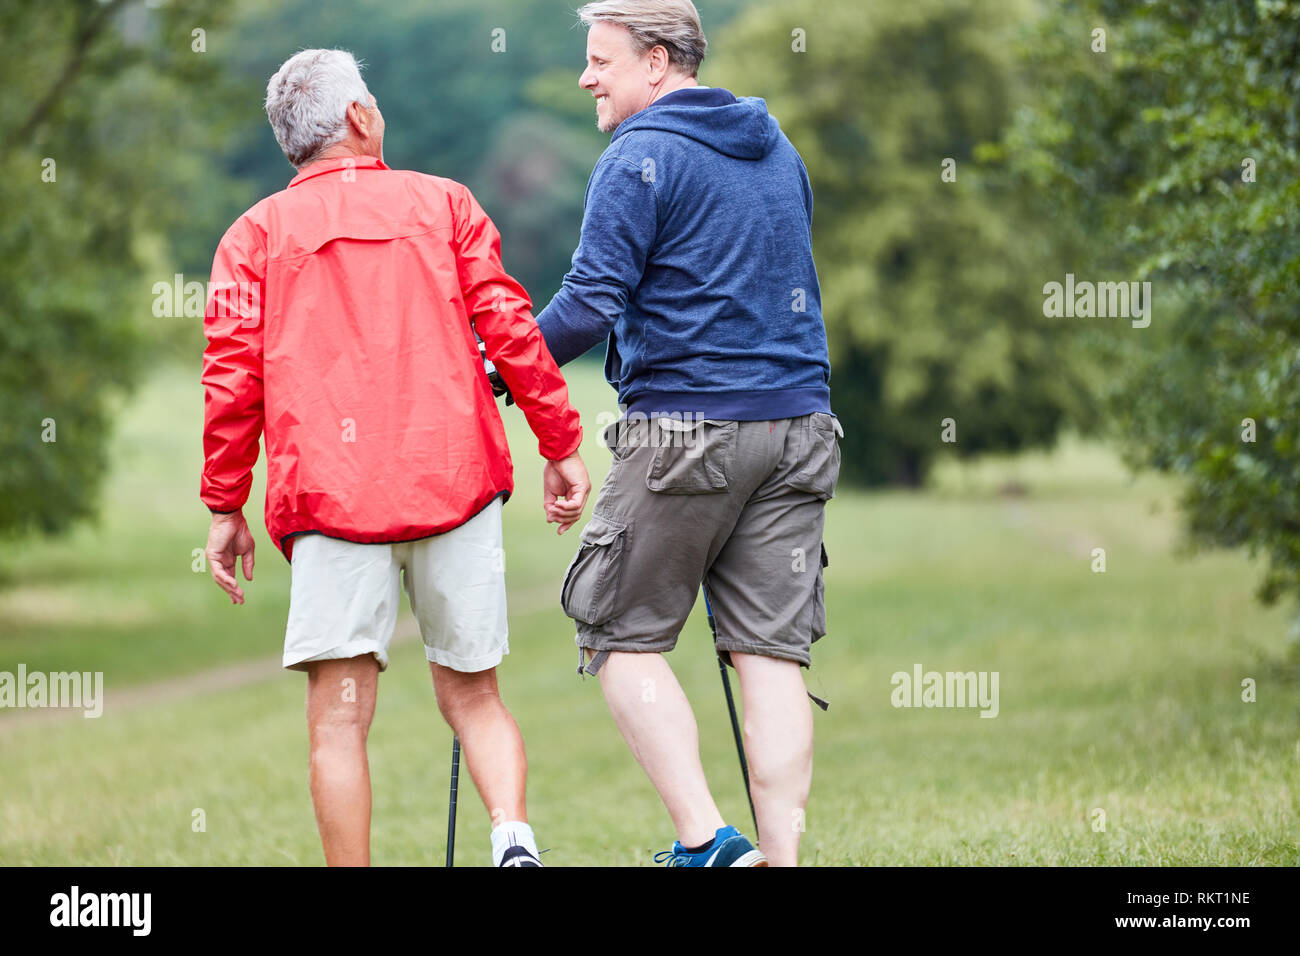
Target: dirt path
[[242, 673]]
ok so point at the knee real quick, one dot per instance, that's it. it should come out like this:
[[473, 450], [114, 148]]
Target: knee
[[460, 694], [339, 723]]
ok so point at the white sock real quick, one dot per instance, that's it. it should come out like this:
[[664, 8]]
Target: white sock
[[512, 833]]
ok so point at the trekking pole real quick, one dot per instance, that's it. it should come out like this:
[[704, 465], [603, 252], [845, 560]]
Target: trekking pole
[[451, 812], [731, 707]]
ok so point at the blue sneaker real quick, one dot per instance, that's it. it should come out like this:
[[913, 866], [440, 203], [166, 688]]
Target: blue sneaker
[[728, 848]]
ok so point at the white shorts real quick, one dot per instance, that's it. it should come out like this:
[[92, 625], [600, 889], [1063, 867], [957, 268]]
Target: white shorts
[[343, 599]]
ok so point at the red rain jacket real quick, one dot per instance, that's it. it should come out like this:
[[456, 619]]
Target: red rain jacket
[[340, 320]]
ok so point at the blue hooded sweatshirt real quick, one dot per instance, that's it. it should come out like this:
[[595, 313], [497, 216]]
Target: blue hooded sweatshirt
[[695, 262]]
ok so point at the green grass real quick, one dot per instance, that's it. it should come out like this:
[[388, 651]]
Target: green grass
[[1118, 691]]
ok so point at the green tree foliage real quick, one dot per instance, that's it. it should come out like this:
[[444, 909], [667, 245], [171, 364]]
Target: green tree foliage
[[930, 289], [98, 106], [1172, 157]]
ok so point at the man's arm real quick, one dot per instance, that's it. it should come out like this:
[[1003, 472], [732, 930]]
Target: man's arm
[[501, 312], [233, 412], [620, 221]]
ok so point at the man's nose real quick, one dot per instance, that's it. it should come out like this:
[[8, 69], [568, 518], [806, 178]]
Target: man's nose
[[586, 81]]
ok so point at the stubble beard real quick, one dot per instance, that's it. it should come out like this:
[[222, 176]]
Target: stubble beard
[[610, 123]]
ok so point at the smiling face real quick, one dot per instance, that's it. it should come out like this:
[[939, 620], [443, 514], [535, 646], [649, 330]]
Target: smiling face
[[622, 81]]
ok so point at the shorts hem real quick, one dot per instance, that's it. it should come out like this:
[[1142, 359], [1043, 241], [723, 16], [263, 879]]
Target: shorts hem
[[763, 650], [466, 665], [298, 662], [658, 646]]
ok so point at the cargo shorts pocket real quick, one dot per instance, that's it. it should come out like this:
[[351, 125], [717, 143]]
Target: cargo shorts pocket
[[590, 590], [691, 457], [818, 470]]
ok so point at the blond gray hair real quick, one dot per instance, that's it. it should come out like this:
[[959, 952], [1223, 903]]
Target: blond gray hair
[[671, 24], [307, 102]]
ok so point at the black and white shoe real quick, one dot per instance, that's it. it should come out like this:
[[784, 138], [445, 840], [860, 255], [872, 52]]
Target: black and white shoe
[[519, 856]]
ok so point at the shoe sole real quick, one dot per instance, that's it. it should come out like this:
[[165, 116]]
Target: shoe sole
[[751, 858]]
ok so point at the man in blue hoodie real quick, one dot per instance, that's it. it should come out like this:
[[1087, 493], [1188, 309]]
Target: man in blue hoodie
[[695, 266]]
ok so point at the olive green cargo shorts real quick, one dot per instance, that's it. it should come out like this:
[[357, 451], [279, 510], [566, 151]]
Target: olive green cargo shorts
[[737, 506]]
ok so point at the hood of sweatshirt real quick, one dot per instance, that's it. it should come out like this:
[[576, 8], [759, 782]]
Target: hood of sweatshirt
[[734, 126]]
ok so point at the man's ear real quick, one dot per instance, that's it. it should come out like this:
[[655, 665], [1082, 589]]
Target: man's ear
[[359, 119], [658, 63]]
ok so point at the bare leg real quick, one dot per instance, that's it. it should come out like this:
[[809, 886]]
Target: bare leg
[[779, 745], [340, 706], [657, 722], [489, 738]]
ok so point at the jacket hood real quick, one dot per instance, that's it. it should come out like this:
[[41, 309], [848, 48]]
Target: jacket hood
[[734, 126]]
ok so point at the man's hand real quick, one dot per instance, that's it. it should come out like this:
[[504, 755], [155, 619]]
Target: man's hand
[[228, 539], [564, 491]]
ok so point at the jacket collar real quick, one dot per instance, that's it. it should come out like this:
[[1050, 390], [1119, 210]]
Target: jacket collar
[[339, 162]]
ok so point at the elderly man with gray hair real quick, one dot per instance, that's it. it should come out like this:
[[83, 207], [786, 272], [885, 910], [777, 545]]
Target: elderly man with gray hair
[[695, 267], [343, 324]]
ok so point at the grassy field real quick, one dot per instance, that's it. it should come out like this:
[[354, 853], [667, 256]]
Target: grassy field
[[1119, 692]]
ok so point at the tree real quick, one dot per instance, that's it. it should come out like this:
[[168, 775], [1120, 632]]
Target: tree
[[1173, 157], [97, 107]]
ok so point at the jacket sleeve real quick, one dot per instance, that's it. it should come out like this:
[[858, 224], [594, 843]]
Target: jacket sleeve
[[232, 368], [620, 222], [502, 315]]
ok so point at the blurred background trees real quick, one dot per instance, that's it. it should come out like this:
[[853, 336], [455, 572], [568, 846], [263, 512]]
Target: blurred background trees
[[106, 126], [1172, 158]]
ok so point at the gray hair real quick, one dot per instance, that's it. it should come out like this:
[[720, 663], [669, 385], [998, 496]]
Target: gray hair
[[307, 101], [672, 24]]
